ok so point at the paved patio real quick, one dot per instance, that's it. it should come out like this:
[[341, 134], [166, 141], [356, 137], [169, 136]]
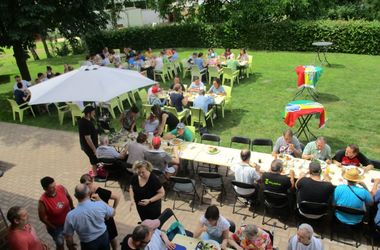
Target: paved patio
[[29, 153]]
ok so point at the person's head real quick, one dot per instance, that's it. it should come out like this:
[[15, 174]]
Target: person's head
[[276, 166], [352, 151], [156, 109], [197, 81], [155, 90], [17, 216], [141, 137], [89, 112], [245, 155], [195, 54], [104, 140], [242, 51], [81, 192], [141, 236], [162, 53], [142, 168], [288, 135], [87, 57], [176, 79], [19, 85], [40, 75], [216, 83], [320, 143], [181, 128], [212, 214], [86, 179], [134, 109], [250, 232], [49, 69], [18, 79], [156, 142], [152, 117], [305, 233], [202, 92], [48, 184], [228, 50], [200, 54], [315, 168], [177, 87]]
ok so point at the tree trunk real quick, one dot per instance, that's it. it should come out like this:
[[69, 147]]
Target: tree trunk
[[21, 56], [34, 53], [46, 48]]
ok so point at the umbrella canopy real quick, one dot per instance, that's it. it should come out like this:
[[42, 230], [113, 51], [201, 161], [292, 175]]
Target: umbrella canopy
[[88, 83]]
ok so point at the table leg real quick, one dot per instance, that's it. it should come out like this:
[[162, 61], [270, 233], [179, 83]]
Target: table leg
[[324, 55], [303, 125], [299, 93]]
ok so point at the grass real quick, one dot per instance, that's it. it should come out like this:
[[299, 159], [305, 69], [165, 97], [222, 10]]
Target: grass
[[348, 90]]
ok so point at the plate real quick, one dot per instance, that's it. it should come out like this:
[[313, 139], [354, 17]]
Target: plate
[[213, 245], [361, 171], [176, 141], [322, 163], [285, 157], [213, 150]]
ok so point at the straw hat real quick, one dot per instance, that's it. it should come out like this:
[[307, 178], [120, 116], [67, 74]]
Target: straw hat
[[353, 174]]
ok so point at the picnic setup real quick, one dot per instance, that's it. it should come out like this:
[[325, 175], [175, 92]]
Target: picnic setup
[[174, 125]]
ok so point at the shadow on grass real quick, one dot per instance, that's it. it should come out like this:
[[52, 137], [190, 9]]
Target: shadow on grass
[[326, 97], [337, 66], [336, 142], [232, 119], [59, 61]]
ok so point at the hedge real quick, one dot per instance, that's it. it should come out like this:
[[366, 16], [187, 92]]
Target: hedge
[[358, 37]]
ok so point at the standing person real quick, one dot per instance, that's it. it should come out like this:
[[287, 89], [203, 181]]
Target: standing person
[[305, 239], [165, 118], [53, 206], [213, 226], [128, 119], [87, 220], [146, 191], [98, 193], [88, 136], [21, 234]]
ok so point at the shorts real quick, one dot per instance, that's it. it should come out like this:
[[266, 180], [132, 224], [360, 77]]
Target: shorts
[[93, 159], [57, 235]]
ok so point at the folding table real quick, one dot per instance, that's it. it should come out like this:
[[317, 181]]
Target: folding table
[[322, 48], [308, 77]]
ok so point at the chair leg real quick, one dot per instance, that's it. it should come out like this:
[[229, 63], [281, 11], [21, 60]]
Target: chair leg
[[175, 196], [21, 115], [14, 115], [112, 112], [192, 205], [73, 119], [31, 109], [233, 209]]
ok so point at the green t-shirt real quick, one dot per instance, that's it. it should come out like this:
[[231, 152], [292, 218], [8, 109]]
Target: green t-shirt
[[187, 135], [311, 149]]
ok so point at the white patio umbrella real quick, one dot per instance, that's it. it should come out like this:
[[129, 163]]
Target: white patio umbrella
[[88, 83]]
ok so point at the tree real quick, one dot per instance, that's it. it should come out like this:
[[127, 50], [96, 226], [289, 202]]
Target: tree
[[22, 20]]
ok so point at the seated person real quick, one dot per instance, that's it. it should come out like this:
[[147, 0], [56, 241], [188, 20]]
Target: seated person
[[159, 240], [200, 62], [317, 150], [104, 151], [192, 58], [148, 53], [177, 81], [305, 239], [243, 56], [197, 85], [312, 188], [211, 53], [139, 239], [275, 181], [151, 124], [250, 237], [217, 88], [177, 99], [181, 132], [154, 99], [228, 54], [376, 198], [162, 160], [157, 84], [128, 118], [21, 95], [203, 102], [25, 84], [232, 64], [351, 195], [136, 149], [159, 62], [165, 118], [287, 144], [352, 156], [175, 55]]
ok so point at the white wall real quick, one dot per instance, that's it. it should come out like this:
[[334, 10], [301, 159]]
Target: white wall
[[134, 17]]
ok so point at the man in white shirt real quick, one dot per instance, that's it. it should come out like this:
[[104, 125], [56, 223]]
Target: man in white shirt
[[104, 151], [25, 84], [304, 239], [158, 62]]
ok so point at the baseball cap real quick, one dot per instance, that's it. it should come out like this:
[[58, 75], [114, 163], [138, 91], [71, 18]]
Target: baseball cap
[[181, 125], [88, 109], [151, 224], [155, 89], [156, 140]]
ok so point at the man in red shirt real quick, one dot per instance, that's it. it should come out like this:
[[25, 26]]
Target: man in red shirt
[[53, 206], [21, 235], [352, 156]]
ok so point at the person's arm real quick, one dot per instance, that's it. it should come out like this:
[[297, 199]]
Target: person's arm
[[165, 239], [71, 203], [376, 183], [291, 176], [43, 216], [70, 242], [302, 175], [175, 159], [131, 197], [297, 153], [199, 230], [162, 124], [90, 143], [367, 165], [234, 244], [338, 158], [160, 193], [185, 101], [168, 136], [326, 176], [116, 199], [225, 235]]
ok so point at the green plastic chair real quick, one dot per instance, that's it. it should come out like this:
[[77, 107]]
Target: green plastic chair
[[177, 66], [180, 115], [192, 130], [143, 96], [111, 105], [146, 108], [132, 95], [62, 110], [213, 72], [228, 99], [250, 66], [20, 109], [164, 73], [196, 72], [124, 97], [171, 69], [197, 115], [185, 67], [75, 111], [229, 74]]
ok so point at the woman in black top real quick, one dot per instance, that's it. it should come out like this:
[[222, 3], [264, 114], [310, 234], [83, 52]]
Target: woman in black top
[[165, 118], [98, 193], [146, 191]]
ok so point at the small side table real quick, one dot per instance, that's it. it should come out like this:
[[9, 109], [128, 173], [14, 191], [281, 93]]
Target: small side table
[[322, 47]]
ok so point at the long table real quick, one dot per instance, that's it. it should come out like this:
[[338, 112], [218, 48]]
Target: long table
[[188, 242]]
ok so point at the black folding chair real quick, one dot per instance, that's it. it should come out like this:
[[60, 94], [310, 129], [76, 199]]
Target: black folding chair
[[184, 185], [278, 202], [375, 163], [3, 232], [212, 182], [354, 230], [114, 171], [240, 140], [242, 198], [312, 213], [166, 215], [262, 142]]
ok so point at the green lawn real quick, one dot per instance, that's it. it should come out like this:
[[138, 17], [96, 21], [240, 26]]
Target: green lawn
[[348, 90]]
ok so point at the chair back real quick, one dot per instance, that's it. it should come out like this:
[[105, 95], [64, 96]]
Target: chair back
[[197, 115], [209, 175], [275, 200], [195, 70], [14, 105], [74, 108], [349, 210], [143, 95], [228, 98], [210, 137], [375, 163], [165, 216], [250, 65], [262, 142], [240, 140], [227, 72], [172, 110], [313, 208], [242, 185], [192, 130]]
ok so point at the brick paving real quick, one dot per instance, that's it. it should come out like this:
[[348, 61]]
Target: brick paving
[[29, 153]]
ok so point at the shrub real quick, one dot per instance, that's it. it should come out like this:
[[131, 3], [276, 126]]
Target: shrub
[[64, 50], [359, 37]]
